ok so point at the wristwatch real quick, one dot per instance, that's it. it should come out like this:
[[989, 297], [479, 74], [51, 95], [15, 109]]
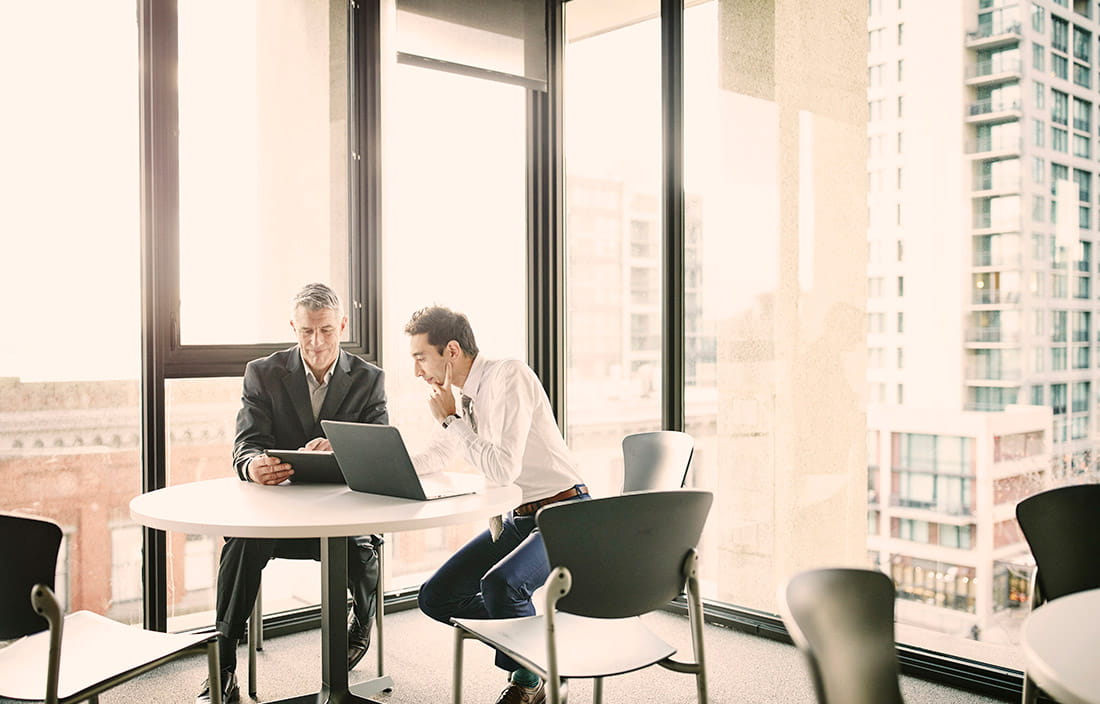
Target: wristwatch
[[449, 419]]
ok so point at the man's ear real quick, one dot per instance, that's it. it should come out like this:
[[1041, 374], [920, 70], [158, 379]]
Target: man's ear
[[453, 349]]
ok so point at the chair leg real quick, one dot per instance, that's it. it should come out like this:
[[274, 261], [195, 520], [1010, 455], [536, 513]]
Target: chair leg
[[379, 600], [255, 638], [456, 676], [213, 672], [1031, 691], [695, 619], [597, 690]]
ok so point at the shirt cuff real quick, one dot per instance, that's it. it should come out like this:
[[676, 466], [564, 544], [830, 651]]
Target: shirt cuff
[[462, 427]]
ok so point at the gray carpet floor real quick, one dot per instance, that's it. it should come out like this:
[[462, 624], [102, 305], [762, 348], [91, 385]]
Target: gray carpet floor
[[741, 668]]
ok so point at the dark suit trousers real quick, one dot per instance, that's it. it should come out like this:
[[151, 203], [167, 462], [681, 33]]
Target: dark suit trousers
[[243, 559]]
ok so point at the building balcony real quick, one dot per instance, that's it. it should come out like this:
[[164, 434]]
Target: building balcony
[[993, 35], [990, 110], [977, 373], [995, 147], [941, 507], [984, 297], [994, 334], [986, 187], [996, 71], [985, 258]]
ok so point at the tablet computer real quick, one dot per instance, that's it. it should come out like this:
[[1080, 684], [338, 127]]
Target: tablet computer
[[311, 466]]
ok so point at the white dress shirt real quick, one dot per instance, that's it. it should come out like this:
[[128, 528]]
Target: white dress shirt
[[517, 439]]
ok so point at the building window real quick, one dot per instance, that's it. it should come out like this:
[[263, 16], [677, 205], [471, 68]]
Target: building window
[[1059, 38], [1058, 399], [1059, 139], [874, 75], [901, 34], [1038, 18], [1038, 57], [901, 286], [1060, 66], [1059, 108], [934, 583], [1082, 146], [874, 40], [1082, 44], [1082, 115], [1082, 76]]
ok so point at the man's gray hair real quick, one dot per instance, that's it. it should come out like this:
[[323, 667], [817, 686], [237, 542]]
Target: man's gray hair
[[317, 297]]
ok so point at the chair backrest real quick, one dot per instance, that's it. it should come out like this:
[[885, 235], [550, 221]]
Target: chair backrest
[[626, 553], [1062, 526], [843, 620], [657, 460], [28, 553]]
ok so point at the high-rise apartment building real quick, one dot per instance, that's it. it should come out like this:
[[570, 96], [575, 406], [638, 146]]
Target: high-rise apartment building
[[982, 158]]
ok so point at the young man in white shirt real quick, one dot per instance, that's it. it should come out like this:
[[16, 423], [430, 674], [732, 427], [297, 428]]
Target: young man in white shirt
[[506, 428]]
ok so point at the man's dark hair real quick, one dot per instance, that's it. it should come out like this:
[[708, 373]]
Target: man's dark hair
[[443, 325]]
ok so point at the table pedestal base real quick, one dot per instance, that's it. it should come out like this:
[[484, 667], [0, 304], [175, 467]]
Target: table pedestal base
[[334, 636]]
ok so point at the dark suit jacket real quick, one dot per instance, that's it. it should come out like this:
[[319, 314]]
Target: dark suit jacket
[[276, 412]]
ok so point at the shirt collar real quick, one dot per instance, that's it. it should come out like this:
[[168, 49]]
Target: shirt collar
[[473, 379], [309, 372]]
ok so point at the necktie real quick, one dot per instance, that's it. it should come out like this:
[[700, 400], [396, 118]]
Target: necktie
[[496, 523]]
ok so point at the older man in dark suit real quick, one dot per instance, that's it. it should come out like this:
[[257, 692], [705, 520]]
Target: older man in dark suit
[[286, 396]]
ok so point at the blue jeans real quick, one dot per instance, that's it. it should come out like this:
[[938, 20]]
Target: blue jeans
[[490, 580]]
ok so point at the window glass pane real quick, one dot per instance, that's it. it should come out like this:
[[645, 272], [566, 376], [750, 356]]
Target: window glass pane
[[988, 379], [455, 235], [775, 235], [201, 418], [263, 163], [69, 422], [613, 231]]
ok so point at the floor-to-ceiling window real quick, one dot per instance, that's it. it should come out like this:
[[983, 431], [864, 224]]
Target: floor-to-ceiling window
[[69, 276], [263, 210], [454, 235], [613, 249]]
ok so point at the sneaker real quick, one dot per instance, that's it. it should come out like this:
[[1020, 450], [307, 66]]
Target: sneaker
[[231, 693], [517, 694], [358, 641]]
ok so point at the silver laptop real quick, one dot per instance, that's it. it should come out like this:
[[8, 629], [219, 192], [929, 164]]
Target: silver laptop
[[374, 460]]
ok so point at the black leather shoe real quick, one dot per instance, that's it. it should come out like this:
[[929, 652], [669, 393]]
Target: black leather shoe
[[231, 693], [515, 694], [358, 641]]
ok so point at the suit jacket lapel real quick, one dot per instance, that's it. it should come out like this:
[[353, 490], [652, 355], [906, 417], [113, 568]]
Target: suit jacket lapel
[[338, 386], [295, 382]]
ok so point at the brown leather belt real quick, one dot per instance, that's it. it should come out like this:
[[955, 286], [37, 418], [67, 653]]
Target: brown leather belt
[[531, 506]]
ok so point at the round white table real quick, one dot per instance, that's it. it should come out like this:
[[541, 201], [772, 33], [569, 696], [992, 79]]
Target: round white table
[[230, 507], [1061, 641]]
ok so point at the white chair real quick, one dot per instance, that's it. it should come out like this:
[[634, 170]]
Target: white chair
[[612, 559], [843, 621], [656, 460], [59, 658], [1061, 528]]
